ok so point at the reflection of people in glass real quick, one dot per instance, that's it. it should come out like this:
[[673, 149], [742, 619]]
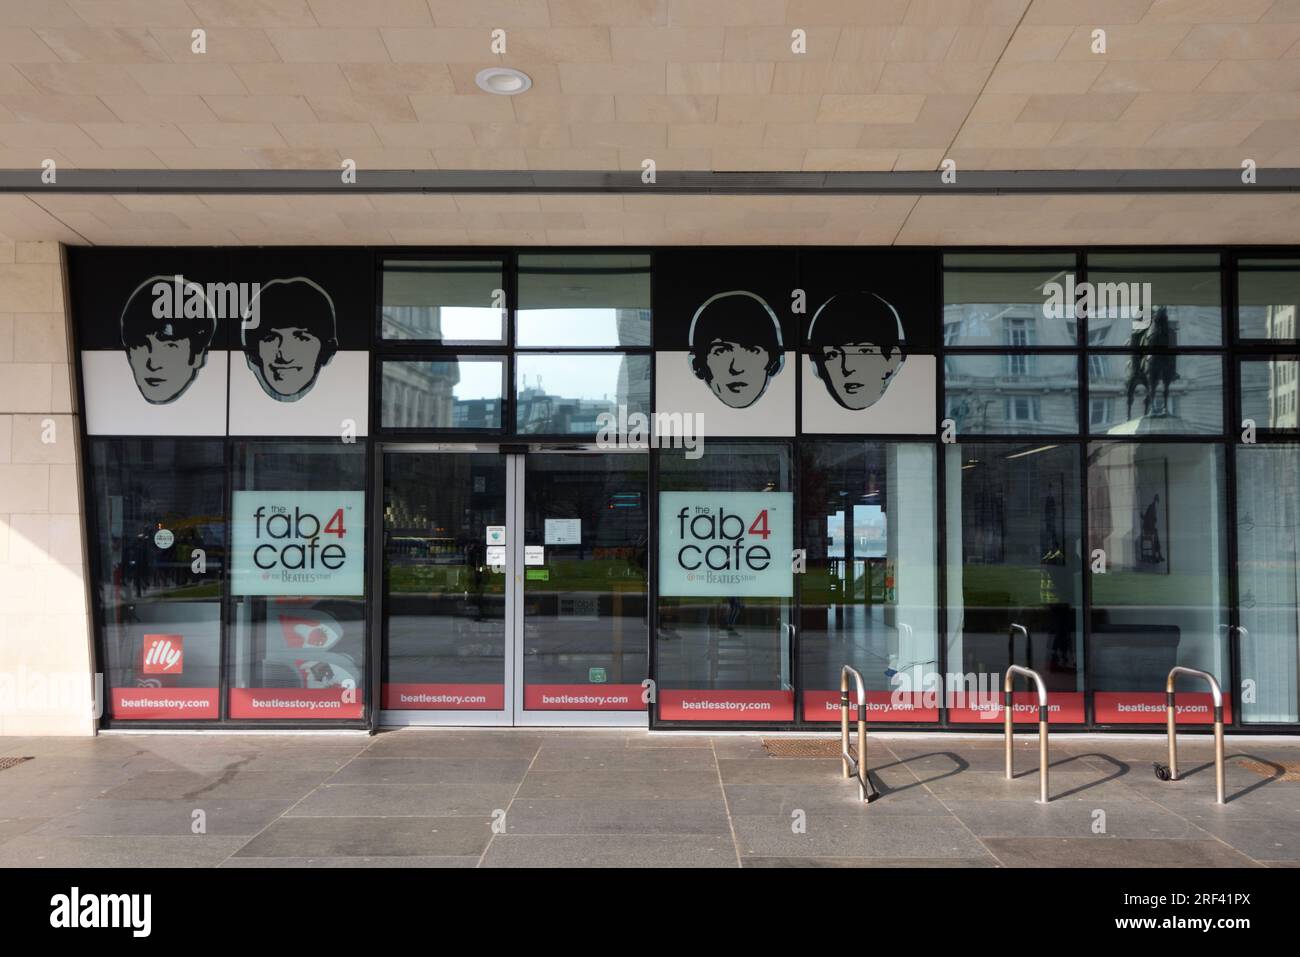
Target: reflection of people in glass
[[1055, 590], [1151, 551], [856, 345], [735, 347], [289, 337], [166, 352]]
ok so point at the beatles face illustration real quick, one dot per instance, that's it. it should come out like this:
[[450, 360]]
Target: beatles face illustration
[[856, 345], [289, 335], [166, 339], [735, 347]]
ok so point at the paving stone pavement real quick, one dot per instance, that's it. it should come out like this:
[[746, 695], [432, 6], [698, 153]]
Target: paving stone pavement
[[521, 798]]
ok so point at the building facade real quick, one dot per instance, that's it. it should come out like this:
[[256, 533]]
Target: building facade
[[353, 487]]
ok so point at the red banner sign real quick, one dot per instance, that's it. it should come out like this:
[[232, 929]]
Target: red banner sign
[[188, 704], [1063, 707], [590, 697], [1148, 707], [444, 697], [881, 706], [319, 703], [726, 705]]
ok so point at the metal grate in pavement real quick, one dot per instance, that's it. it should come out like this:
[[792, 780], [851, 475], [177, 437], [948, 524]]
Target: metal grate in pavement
[[802, 747], [7, 763], [1269, 769]]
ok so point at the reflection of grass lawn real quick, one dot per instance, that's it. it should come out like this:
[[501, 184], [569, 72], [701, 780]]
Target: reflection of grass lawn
[[588, 575], [996, 586], [206, 590]]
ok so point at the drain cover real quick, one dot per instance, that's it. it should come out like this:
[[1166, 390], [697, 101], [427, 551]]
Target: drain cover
[[7, 763], [1290, 770], [802, 747]]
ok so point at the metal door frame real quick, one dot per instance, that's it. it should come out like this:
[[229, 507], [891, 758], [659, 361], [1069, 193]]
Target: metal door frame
[[514, 714]]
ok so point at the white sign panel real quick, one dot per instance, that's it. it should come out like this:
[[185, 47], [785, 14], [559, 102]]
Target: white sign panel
[[534, 555], [733, 544], [298, 543], [563, 531]]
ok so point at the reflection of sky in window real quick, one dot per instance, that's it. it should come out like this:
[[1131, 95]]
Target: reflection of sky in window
[[478, 380], [571, 376], [567, 327], [469, 323]]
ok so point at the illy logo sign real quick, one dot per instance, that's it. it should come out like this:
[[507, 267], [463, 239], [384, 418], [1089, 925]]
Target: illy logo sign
[[163, 654]]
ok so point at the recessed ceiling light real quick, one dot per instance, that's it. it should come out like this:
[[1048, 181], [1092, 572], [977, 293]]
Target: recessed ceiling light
[[503, 81]]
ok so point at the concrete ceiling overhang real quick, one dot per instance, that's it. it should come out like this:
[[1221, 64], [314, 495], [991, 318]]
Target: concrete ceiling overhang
[[888, 88]]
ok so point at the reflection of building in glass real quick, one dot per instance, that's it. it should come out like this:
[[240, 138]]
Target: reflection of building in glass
[[1018, 391], [588, 389], [1282, 374], [419, 394], [1013, 393]]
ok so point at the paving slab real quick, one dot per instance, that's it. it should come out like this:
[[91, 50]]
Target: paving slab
[[371, 837], [1117, 852], [430, 798], [617, 816], [610, 851]]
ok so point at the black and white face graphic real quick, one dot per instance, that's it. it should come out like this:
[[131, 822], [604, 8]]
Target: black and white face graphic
[[289, 335], [856, 345], [735, 347], [167, 327]]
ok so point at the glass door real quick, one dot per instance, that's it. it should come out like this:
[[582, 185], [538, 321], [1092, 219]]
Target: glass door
[[446, 601], [514, 586], [584, 628]]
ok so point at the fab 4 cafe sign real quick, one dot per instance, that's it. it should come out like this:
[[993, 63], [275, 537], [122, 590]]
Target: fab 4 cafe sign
[[298, 543], [726, 544]]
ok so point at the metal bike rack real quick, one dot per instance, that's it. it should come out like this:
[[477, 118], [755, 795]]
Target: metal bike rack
[[1011, 644], [1009, 720], [1169, 772], [850, 762]]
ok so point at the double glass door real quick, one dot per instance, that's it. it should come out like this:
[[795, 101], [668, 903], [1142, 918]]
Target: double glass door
[[514, 585]]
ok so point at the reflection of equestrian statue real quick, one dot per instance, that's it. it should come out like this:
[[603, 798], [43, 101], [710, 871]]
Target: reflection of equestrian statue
[[1150, 367]]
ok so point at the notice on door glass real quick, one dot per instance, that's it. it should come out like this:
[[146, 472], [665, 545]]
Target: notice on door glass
[[496, 554], [563, 531], [496, 535], [534, 555]]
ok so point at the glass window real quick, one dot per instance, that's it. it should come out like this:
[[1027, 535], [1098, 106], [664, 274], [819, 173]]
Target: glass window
[[1014, 558], [1268, 391], [1184, 287], [583, 300], [989, 394], [1000, 300], [298, 581], [726, 524], [465, 392], [1268, 294], [567, 394], [1268, 542], [1156, 512], [868, 597], [161, 536], [1158, 393], [451, 301]]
